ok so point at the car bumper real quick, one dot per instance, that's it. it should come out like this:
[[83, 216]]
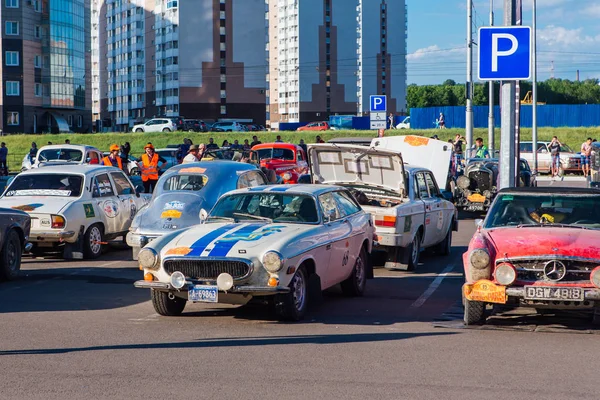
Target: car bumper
[[589, 294], [390, 240], [52, 236], [253, 290], [137, 240]]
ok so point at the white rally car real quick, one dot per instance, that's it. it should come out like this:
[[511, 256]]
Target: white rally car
[[74, 209], [62, 154], [263, 241]]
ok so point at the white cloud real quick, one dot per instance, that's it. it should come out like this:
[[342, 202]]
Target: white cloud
[[434, 51], [553, 36]]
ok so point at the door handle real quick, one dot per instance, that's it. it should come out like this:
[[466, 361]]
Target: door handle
[[328, 247]]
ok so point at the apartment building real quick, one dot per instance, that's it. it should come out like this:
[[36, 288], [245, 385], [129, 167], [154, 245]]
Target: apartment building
[[327, 57], [45, 48], [198, 59]]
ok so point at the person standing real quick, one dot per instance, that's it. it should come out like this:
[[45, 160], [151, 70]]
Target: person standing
[[211, 144], [554, 147], [33, 152], [458, 152], [480, 150], [319, 140], [391, 121], [246, 146], [586, 156], [193, 154], [278, 140], [126, 149], [303, 145], [113, 159], [255, 141], [3, 157], [442, 121], [148, 164]]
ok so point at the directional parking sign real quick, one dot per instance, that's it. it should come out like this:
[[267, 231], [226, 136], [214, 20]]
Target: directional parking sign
[[504, 53]]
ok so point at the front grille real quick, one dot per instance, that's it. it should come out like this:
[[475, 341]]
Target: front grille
[[533, 270], [480, 180], [207, 269]]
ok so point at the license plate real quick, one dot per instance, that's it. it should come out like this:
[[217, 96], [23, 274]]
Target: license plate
[[553, 293], [476, 207], [203, 294]]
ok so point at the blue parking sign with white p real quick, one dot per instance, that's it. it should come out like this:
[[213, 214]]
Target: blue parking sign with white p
[[504, 53], [378, 104]]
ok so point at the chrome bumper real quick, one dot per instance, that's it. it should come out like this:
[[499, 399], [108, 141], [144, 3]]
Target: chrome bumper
[[236, 289], [389, 240], [49, 236], [137, 240], [519, 292]]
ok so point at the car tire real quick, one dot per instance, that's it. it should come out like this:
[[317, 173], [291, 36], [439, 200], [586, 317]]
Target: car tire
[[92, 242], [10, 258], [474, 312], [356, 283], [414, 252], [165, 306], [139, 130], [292, 306], [444, 248], [166, 130]]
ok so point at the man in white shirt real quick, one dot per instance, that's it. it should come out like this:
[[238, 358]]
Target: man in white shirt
[[194, 154]]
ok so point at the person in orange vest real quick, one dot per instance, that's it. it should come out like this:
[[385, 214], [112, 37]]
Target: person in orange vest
[[113, 158], [148, 164]]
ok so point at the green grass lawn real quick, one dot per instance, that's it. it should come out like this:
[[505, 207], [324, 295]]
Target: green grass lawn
[[19, 145]]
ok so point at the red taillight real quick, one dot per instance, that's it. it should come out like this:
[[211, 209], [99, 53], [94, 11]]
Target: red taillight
[[58, 222], [386, 221]]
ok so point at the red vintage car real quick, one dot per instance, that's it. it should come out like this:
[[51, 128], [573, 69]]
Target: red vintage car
[[537, 247], [286, 159]]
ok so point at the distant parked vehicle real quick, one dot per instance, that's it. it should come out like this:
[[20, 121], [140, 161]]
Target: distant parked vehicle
[[169, 154], [156, 125], [227, 127], [195, 125], [315, 126], [405, 124]]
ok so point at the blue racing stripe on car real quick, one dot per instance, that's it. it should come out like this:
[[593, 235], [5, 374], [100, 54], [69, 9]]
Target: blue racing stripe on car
[[226, 243], [280, 189], [201, 244]]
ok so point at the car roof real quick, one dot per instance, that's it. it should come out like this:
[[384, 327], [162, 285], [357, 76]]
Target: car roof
[[363, 141], [67, 147], [278, 145], [308, 189], [550, 190], [221, 166], [83, 169]]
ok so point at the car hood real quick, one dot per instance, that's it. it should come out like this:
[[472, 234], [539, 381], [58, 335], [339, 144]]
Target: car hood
[[233, 239], [172, 210], [546, 241], [37, 204], [360, 165]]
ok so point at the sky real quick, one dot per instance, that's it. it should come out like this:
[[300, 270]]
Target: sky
[[568, 37]]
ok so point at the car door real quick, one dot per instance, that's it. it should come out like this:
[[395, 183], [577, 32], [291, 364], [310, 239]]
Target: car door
[[126, 197], [107, 202], [544, 156], [339, 230], [359, 222], [440, 215], [429, 203]]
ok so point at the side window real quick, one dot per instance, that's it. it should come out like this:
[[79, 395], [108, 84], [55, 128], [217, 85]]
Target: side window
[[329, 207], [102, 186], [122, 185], [433, 189], [298, 156], [346, 204], [421, 186], [255, 179], [243, 182]]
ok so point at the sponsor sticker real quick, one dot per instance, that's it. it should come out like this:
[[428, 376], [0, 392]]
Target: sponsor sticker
[[192, 170], [27, 207], [440, 221], [89, 210], [174, 205], [38, 192], [171, 214], [110, 208]]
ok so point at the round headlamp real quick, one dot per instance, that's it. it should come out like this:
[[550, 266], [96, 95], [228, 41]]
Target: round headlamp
[[287, 176], [479, 258], [148, 258], [177, 280], [487, 194], [505, 274], [595, 277], [463, 182], [272, 261]]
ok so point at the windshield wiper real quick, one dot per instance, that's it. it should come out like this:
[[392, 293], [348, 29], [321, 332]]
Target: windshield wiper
[[542, 225], [219, 217], [242, 215]]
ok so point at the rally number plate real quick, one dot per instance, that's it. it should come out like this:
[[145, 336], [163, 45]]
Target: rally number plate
[[553, 293], [203, 294]]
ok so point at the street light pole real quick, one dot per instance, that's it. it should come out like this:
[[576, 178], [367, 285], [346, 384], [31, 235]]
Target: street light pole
[[534, 132], [469, 85], [491, 121]]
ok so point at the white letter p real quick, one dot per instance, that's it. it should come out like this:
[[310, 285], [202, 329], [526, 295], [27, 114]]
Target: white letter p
[[495, 53]]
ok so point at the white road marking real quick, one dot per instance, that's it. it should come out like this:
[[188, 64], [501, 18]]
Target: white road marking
[[432, 288]]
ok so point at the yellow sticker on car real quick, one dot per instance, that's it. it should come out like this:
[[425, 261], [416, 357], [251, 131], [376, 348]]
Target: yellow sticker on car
[[171, 214], [476, 198], [485, 291]]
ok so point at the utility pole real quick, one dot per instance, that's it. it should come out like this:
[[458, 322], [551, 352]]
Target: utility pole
[[469, 85], [534, 131], [518, 20], [491, 121], [507, 130]]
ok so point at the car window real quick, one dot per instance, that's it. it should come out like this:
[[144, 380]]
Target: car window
[[433, 189], [122, 185], [61, 154], [421, 186], [45, 185], [329, 207], [102, 186], [526, 147], [299, 156], [250, 179], [194, 182], [346, 204]]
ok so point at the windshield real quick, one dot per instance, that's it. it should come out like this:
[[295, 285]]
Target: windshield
[[195, 182], [540, 210], [268, 206], [45, 185], [280, 154], [61, 154]]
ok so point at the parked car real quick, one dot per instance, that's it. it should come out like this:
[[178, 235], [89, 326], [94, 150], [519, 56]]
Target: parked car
[[315, 126], [287, 160], [156, 125], [537, 247], [182, 192], [227, 127], [74, 209], [179, 122], [261, 242], [569, 160], [15, 226], [405, 124], [62, 154], [169, 154], [409, 211], [195, 125]]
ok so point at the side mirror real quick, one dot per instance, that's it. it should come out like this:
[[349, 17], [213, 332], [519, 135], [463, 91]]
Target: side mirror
[[203, 215], [479, 223], [139, 189], [329, 216]]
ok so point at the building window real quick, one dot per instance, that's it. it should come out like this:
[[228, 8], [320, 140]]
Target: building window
[[171, 4], [37, 5], [38, 90], [12, 3], [37, 32], [223, 110], [12, 88], [70, 120], [12, 28], [12, 58], [79, 121], [12, 118], [37, 61], [223, 94]]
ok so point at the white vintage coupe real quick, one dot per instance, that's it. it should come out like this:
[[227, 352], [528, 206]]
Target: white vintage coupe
[[74, 208], [263, 241]]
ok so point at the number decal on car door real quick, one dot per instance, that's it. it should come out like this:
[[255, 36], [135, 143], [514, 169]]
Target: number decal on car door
[[345, 258]]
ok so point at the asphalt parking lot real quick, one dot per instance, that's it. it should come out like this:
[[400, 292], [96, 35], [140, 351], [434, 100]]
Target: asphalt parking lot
[[81, 330]]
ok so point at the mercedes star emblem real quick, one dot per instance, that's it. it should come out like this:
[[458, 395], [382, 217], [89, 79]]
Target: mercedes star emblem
[[555, 270]]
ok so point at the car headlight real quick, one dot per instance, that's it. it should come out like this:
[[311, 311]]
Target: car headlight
[[148, 258], [272, 261], [595, 277], [505, 274], [287, 176], [463, 182], [479, 258], [487, 194]]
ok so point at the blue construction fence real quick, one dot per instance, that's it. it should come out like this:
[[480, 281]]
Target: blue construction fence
[[556, 115], [340, 122]]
